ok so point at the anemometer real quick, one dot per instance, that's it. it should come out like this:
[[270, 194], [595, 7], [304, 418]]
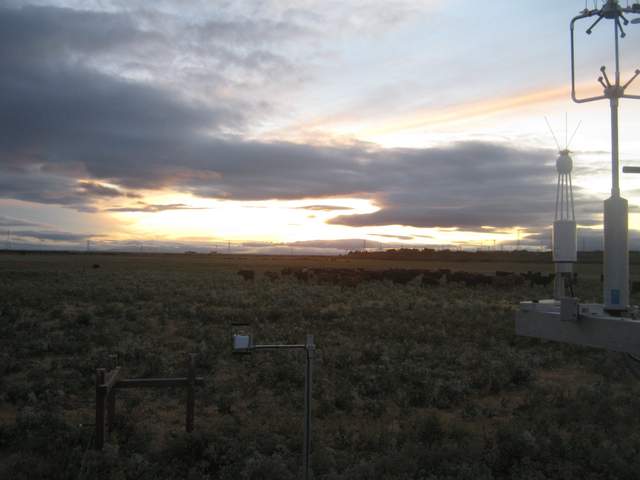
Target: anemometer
[[613, 324]]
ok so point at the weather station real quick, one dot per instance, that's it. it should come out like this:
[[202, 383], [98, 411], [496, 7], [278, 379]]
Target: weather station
[[243, 344], [614, 324]]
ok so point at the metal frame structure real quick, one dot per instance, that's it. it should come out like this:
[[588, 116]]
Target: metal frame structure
[[243, 344], [565, 241], [612, 325], [616, 256], [107, 382]]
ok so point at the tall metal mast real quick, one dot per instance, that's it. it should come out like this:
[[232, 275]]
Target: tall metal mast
[[616, 249], [612, 325]]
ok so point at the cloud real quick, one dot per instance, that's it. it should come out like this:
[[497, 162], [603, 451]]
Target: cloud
[[341, 244], [81, 125], [464, 185], [400, 237], [258, 244], [14, 222], [152, 208], [99, 190], [55, 236], [324, 208], [58, 114]]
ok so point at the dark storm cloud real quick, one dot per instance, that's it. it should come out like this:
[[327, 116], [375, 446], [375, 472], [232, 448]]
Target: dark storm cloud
[[31, 185], [465, 185], [57, 112]]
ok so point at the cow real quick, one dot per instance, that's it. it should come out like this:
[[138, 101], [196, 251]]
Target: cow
[[247, 275], [273, 276], [506, 281]]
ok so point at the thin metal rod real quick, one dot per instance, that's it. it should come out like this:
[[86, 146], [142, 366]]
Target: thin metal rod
[[310, 350], [637, 72], [552, 134], [100, 407], [191, 383], [616, 26], [573, 61], [593, 25], [574, 133], [278, 347]]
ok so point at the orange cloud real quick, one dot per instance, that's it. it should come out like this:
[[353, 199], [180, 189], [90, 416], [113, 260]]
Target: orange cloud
[[350, 124]]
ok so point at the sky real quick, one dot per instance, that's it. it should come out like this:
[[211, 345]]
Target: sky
[[303, 126]]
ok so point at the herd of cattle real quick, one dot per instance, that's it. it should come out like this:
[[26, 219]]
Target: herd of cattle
[[352, 277]]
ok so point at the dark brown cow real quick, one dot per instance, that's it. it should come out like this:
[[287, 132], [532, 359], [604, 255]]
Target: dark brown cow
[[247, 275], [273, 276]]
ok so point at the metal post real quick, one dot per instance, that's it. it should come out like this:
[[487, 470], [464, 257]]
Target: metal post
[[310, 351], [615, 157], [111, 410], [100, 390], [243, 343], [111, 396], [191, 381]]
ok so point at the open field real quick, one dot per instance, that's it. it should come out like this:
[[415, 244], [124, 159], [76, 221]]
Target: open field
[[411, 382]]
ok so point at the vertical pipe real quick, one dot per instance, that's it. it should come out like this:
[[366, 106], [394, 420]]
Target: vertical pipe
[[573, 211], [617, 47], [309, 350], [111, 409], [557, 197], [613, 101], [100, 408], [615, 167], [561, 198], [568, 199], [191, 381]]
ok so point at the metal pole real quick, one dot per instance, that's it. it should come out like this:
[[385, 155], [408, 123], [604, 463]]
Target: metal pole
[[100, 398], [310, 350], [191, 381], [615, 161]]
